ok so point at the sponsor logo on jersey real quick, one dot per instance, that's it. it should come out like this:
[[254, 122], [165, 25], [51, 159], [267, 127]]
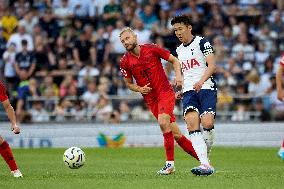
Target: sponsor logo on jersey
[[189, 64]]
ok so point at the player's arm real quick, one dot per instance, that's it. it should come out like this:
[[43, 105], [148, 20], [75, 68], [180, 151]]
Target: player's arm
[[279, 83], [208, 52], [211, 69], [11, 115], [176, 64], [134, 87]]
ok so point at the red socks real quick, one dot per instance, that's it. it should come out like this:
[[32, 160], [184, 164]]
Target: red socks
[[169, 145], [283, 144], [186, 145], [7, 155]]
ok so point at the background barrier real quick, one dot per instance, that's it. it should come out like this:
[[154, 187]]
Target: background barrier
[[135, 135]]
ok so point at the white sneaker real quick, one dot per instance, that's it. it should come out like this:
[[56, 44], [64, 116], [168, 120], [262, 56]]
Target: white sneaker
[[167, 169], [17, 173]]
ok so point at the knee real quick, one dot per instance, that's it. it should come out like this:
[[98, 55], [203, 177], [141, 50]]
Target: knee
[[164, 124], [208, 123]]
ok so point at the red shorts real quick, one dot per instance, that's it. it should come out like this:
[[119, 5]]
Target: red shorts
[[164, 103]]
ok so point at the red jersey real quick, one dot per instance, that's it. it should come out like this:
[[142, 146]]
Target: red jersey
[[147, 68], [282, 60], [3, 95]]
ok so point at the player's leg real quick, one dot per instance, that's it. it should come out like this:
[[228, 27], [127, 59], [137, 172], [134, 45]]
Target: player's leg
[[208, 100], [7, 155], [207, 121], [182, 141], [191, 116], [164, 120], [195, 136]]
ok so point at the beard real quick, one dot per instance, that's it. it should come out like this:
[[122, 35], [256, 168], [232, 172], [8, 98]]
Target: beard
[[131, 47]]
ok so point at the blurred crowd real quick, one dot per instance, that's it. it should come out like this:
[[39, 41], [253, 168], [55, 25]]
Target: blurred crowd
[[60, 58]]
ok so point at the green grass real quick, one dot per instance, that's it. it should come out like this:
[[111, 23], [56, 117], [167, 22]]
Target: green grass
[[136, 168]]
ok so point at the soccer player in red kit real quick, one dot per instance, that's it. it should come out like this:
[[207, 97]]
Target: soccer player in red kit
[[142, 62], [5, 149]]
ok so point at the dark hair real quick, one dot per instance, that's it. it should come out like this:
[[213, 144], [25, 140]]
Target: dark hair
[[181, 19], [24, 42]]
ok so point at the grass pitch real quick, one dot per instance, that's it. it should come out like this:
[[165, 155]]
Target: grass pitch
[[136, 168]]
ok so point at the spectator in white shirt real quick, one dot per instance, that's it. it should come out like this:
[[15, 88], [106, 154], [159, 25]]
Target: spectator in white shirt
[[17, 38]]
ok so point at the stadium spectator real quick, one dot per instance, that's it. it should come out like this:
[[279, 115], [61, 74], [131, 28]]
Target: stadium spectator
[[239, 32], [9, 58], [148, 17], [38, 113], [25, 61], [83, 51], [124, 111], [112, 12], [29, 21], [18, 37], [103, 109], [9, 23], [91, 96]]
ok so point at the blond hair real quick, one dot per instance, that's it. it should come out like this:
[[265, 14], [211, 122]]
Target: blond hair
[[127, 29]]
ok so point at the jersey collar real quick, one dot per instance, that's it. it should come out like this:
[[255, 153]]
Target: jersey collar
[[186, 45]]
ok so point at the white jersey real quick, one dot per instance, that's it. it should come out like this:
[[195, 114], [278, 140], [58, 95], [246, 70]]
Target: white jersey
[[192, 58]]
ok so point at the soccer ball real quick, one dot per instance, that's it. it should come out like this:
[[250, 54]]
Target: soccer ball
[[74, 157]]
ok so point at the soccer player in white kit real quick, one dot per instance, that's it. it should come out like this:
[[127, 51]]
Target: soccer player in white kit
[[199, 96]]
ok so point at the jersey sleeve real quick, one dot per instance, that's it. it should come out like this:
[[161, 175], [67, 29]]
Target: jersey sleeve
[[205, 47], [126, 73], [282, 61], [161, 52], [3, 95]]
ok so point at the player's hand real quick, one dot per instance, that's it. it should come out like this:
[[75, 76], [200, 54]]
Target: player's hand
[[178, 81], [179, 95], [16, 129], [197, 86], [146, 89]]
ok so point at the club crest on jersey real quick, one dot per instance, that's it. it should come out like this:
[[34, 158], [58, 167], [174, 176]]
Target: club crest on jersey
[[189, 64], [207, 45]]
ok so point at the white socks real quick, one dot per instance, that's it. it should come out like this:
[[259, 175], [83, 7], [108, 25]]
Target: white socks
[[209, 137], [199, 146]]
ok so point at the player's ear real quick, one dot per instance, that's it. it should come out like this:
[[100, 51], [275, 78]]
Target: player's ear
[[189, 27]]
